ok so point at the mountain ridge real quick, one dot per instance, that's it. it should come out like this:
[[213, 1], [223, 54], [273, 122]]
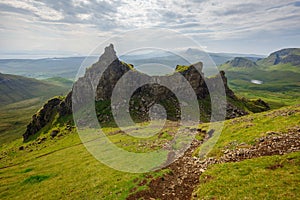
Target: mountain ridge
[[241, 62], [283, 56], [274, 79], [112, 69]]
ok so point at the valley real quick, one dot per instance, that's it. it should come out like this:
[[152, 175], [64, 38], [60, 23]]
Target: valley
[[20, 98], [275, 80]]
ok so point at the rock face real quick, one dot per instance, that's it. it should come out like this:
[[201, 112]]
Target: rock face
[[196, 79], [103, 76], [242, 62], [149, 94], [42, 117]]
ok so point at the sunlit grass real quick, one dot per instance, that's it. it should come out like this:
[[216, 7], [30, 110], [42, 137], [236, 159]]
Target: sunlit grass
[[271, 177]]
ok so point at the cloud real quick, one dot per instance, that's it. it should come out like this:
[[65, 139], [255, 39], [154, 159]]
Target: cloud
[[84, 16], [208, 19], [37, 8]]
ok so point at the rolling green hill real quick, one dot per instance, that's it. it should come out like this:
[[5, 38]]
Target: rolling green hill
[[275, 79], [15, 117], [20, 98], [17, 88], [59, 81]]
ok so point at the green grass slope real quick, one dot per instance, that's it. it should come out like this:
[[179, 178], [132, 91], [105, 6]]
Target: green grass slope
[[269, 177], [61, 170], [17, 88], [20, 98], [15, 117], [61, 167], [246, 130], [59, 81]]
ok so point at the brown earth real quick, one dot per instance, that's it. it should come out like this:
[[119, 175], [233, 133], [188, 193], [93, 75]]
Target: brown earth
[[184, 173]]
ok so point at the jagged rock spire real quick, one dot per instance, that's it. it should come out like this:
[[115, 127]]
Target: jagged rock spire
[[109, 54]]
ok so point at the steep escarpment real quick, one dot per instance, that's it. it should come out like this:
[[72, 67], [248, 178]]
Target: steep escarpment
[[99, 81], [284, 56]]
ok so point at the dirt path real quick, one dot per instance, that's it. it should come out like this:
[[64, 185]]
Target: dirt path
[[184, 176], [179, 184]]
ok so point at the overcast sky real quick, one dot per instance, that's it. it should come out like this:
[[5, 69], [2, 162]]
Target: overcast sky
[[75, 27]]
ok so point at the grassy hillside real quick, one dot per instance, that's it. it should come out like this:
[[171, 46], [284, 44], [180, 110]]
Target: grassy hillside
[[59, 81], [17, 88], [272, 177], [39, 170], [15, 117], [61, 167], [20, 98]]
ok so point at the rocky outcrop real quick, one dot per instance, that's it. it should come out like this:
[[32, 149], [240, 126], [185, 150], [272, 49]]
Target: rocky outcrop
[[100, 80], [42, 118], [193, 74], [109, 68], [221, 76]]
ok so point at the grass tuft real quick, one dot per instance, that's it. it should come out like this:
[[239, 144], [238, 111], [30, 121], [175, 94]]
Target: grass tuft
[[35, 179]]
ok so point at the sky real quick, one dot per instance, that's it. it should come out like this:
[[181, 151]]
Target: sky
[[76, 27]]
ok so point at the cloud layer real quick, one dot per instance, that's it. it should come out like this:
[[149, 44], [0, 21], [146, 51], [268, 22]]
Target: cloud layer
[[77, 25]]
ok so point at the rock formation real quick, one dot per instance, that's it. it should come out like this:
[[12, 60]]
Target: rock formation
[[42, 117], [103, 76]]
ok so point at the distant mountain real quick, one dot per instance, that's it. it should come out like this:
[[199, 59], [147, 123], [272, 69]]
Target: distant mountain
[[275, 78], [44, 68], [185, 57], [241, 62], [67, 67], [220, 58], [282, 60], [284, 56], [15, 88]]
